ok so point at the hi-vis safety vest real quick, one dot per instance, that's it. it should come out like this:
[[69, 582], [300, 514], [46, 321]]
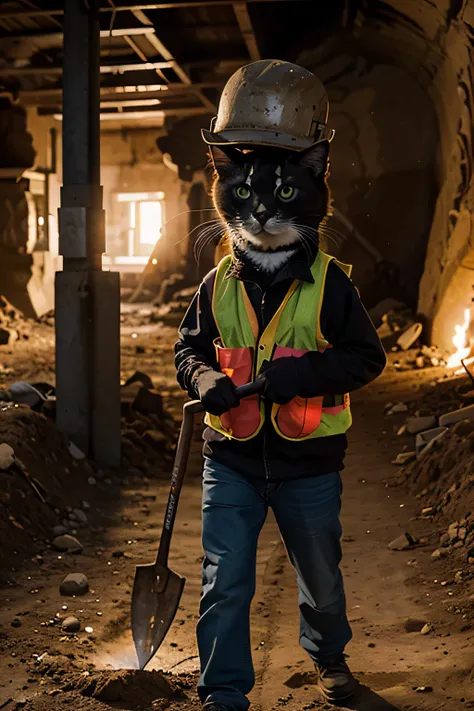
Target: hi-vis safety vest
[[293, 331]]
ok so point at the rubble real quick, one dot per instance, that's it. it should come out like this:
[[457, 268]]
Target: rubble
[[74, 584], [404, 457], [415, 425], [451, 418], [424, 438], [12, 323]]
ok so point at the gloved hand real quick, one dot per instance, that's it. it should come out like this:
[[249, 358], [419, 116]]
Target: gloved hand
[[282, 379], [216, 392]]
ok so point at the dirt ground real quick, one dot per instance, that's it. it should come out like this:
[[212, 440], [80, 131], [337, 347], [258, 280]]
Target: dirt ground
[[389, 593]]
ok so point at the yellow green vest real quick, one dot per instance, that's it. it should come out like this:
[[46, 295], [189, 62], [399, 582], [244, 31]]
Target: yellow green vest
[[294, 330]]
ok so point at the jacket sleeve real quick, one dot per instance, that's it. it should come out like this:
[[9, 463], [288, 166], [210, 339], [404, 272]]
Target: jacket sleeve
[[194, 351], [356, 357]]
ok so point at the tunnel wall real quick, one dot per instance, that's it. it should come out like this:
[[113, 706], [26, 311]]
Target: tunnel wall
[[451, 239], [383, 174]]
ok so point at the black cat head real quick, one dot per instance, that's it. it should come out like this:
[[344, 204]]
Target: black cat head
[[272, 201]]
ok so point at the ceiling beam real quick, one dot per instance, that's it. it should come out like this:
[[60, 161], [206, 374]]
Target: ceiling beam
[[57, 70], [245, 23], [107, 92], [57, 36], [159, 47], [182, 112], [175, 4]]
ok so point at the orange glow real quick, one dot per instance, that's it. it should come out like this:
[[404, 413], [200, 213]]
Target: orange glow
[[461, 341]]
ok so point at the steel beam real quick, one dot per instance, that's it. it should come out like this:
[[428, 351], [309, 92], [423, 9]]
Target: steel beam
[[87, 300], [245, 23]]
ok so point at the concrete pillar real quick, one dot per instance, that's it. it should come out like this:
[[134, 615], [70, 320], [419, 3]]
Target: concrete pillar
[[87, 300]]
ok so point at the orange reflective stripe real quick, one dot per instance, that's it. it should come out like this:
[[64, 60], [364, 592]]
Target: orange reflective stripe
[[300, 417], [242, 421]]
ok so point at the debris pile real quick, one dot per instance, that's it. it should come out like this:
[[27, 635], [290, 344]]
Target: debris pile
[[148, 430], [47, 485], [11, 323], [439, 464]]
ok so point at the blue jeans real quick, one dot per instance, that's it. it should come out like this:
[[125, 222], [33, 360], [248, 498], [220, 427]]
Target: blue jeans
[[234, 511]]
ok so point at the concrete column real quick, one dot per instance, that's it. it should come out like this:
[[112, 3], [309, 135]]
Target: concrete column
[[87, 300]]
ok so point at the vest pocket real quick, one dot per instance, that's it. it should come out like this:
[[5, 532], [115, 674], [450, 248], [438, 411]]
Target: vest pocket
[[237, 363], [301, 416]]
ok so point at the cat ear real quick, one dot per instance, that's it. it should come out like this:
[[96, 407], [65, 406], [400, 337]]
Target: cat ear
[[315, 158], [223, 159]]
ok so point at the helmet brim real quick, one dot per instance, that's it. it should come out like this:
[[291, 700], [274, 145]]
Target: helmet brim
[[255, 137]]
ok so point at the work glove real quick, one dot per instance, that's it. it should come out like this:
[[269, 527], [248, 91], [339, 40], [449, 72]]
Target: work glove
[[216, 392], [281, 378]]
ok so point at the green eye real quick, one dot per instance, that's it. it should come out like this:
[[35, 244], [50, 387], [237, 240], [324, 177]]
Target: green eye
[[286, 192], [243, 192]]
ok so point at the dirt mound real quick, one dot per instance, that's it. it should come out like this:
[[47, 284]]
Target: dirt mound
[[43, 490], [132, 687], [68, 683]]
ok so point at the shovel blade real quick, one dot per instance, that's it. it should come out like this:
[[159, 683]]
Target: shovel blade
[[156, 594]]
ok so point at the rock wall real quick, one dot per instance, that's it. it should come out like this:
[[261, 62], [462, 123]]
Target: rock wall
[[451, 240], [383, 175]]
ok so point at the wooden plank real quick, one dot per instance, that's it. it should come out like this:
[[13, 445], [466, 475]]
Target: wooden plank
[[245, 23]]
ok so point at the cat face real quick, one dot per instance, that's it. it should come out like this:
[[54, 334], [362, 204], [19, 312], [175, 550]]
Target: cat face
[[272, 201]]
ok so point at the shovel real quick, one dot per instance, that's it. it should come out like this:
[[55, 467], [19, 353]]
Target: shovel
[[157, 590]]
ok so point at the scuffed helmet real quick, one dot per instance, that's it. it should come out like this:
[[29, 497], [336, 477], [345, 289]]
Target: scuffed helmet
[[271, 103]]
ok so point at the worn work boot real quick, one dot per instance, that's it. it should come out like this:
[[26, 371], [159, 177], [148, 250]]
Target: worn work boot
[[335, 679], [213, 706]]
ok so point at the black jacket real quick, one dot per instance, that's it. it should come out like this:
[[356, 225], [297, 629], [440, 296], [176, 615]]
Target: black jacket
[[355, 359]]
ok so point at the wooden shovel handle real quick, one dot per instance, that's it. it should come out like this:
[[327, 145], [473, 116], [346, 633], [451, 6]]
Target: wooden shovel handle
[[180, 464]]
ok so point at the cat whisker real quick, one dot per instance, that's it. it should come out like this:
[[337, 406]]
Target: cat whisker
[[209, 222], [206, 237]]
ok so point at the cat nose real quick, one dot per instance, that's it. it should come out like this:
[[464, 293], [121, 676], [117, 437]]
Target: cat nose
[[261, 216]]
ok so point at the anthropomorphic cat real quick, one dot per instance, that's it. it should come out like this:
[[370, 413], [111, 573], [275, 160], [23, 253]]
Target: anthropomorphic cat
[[283, 313]]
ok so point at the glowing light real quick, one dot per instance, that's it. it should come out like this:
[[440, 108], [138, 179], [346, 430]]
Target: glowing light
[[461, 341], [41, 221], [154, 261]]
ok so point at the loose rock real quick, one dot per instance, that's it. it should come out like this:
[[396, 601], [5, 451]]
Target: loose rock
[[413, 625], [402, 543], [67, 544], [74, 584], [71, 625], [397, 408], [7, 456], [60, 530], [80, 515], [404, 458], [420, 424]]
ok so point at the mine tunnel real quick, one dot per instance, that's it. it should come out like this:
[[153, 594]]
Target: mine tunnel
[[107, 229]]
